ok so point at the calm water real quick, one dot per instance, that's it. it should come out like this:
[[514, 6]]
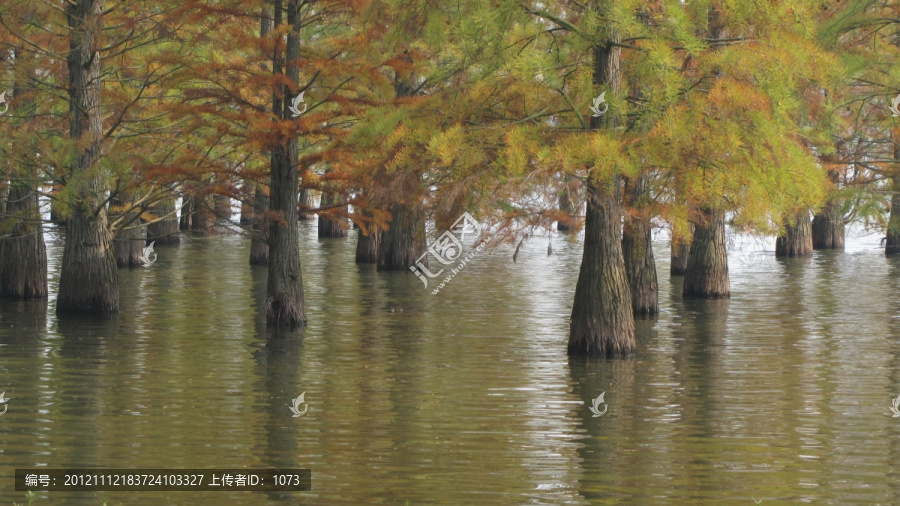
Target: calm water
[[781, 394]]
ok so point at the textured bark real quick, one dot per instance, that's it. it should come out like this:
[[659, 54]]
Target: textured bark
[[88, 278], [165, 231], [187, 213], [796, 241], [331, 227], [680, 251], [285, 304], [637, 249], [128, 244], [707, 270], [203, 214], [23, 255], [404, 241], [367, 245], [247, 203], [892, 243], [602, 322]]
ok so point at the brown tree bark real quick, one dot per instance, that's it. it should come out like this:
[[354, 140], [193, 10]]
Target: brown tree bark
[[128, 243], [285, 304], [187, 213], [222, 207], [602, 322], [203, 214], [88, 278], [796, 241], [404, 241], [249, 192], [828, 224], [331, 227], [165, 231], [259, 244], [23, 254], [707, 271], [565, 206], [637, 249], [680, 250], [307, 200]]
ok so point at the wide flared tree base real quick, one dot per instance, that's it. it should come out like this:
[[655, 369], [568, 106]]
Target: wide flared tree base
[[285, 312]]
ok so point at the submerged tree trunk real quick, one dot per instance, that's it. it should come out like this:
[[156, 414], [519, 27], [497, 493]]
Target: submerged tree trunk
[[187, 213], [128, 244], [707, 270], [565, 206], [404, 241], [203, 215], [796, 242], [368, 239], [331, 227], [88, 278], [602, 322], [637, 249], [23, 255], [259, 244], [248, 194], [307, 201], [892, 243], [165, 231], [285, 304], [680, 250], [828, 223], [222, 207]]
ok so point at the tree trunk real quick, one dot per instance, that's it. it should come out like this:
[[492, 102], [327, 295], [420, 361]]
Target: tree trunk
[[602, 322], [707, 271], [892, 243], [565, 206], [285, 304], [222, 207], [88, 279], [331, 227], [165, 231], [307, 201], [680, 251], [128, 244], [248, 194], [203, 215], [367, 241], [637, 249], [23, 255], [796, 242], [404, 241], [828, 223], [259, 245], [187, 213]]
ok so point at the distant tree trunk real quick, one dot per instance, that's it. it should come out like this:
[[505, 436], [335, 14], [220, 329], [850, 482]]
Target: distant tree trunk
[[187, 213], [680, 250], [307, 201], [404, 241], [602, 322], [707, 270], [165, 231], [796, 242], [56, 214], [565, 206], [128, 244], [259, 245], [828, 224], [892, 244], [247, 203], [367, 240], [285, 304], [331, 227], [203, 215], [88, 279], [222, 207], [637, 249], [23, 255]]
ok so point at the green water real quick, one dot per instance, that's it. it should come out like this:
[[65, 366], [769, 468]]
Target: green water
[[781, 394]]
